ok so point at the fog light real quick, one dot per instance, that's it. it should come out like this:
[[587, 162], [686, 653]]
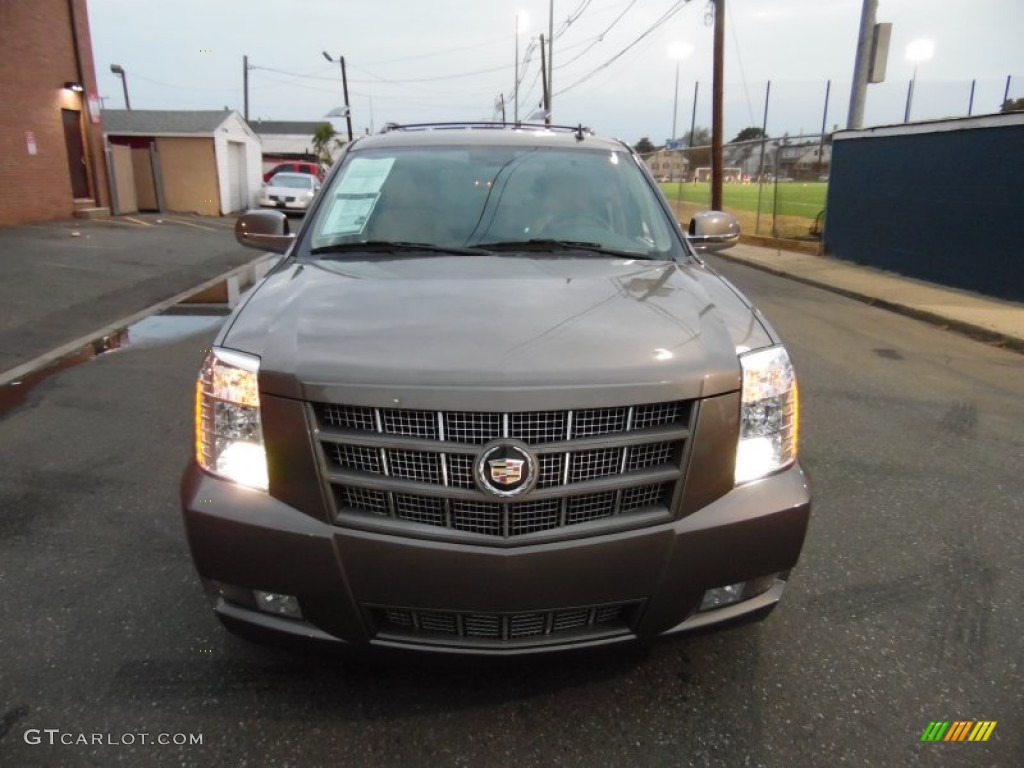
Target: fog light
[[232, 594], [719, 597], [278, 605], [722, 596]]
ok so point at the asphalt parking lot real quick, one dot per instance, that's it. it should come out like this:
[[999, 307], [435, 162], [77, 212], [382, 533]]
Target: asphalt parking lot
[[904, 609]]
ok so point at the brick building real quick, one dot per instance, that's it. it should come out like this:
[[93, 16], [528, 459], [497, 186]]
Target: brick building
[[51, 139]]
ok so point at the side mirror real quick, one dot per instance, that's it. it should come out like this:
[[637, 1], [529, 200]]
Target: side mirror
[[713, 231], [264, 230]]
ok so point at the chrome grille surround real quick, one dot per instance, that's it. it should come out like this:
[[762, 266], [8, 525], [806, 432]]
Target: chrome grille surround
[[416, 467], [503, 628]]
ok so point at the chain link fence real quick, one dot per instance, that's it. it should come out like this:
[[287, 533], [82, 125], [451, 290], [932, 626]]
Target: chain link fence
[[775, 187]]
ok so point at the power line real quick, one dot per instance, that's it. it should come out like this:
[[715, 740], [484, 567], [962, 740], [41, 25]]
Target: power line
[[379, 79], [600, 37], [298, 75], [573, 16], [739, 60], [137, 76], [487, 44], [672, 11]]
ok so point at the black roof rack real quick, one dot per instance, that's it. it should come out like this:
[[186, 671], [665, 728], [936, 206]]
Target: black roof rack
[[580, 130]]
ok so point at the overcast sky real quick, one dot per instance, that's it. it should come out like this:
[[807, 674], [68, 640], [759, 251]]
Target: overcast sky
[[448, 60]]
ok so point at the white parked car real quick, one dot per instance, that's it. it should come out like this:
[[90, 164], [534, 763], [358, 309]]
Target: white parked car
[[289, 191]]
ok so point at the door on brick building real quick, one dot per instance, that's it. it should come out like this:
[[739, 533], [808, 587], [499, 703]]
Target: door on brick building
[[76, 152]]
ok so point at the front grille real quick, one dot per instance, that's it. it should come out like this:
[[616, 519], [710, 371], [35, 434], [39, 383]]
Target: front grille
[[504, 628], [533, 427], [418, 466]]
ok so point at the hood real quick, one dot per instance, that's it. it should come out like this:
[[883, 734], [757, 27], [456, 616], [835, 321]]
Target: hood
[[494, 333]]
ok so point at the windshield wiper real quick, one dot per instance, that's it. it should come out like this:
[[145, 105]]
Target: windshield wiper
[[396, 246], [544, 244]]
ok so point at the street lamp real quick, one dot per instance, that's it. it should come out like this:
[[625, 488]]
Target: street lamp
[[118, 70], [918, 51], [344, 85], [677, 51]]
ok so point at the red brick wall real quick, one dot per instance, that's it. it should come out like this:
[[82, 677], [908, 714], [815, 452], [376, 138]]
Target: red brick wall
[[36, 58]]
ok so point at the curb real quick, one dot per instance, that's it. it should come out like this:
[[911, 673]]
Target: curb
[[970, 330], [64, 350], [800, 246]]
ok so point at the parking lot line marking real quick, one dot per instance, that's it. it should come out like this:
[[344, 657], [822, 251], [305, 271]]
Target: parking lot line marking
[[138, 221], [189, 224]]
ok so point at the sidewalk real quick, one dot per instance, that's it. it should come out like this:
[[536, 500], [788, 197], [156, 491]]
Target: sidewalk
[[987, 319], [67, 279]]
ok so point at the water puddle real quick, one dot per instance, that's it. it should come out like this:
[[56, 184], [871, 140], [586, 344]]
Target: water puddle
[[169, 326], [173, 325]]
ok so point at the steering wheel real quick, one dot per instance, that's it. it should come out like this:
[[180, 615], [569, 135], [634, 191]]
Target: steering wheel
[[568, 227]]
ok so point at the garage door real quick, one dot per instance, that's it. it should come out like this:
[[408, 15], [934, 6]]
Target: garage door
[[237, 187]]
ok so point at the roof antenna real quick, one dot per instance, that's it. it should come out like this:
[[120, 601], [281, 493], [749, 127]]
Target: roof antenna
[[579, 132]]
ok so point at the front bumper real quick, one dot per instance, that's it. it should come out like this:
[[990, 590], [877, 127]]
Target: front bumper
[[280, 205], [346, 579]]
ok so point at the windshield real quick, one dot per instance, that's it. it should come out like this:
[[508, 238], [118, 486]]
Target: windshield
[[292, 181], [498, 196]]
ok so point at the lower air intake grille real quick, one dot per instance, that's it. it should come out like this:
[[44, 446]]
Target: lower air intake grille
[[503, 628]]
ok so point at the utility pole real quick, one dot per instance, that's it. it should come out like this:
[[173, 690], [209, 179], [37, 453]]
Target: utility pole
[[693, 115], [717, 88], [245, 85], [675, 103], [515, 92], [544, 83], [824, 124], [858, 93], [551, 59]]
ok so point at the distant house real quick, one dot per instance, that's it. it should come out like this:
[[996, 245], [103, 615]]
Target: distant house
[[668, 164], [804, 159], [746, 155], [284, 140], [205, 162]]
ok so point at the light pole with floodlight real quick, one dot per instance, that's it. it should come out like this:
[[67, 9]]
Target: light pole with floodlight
[[344, 87], [918, 51], [118, 70], [677, 51]]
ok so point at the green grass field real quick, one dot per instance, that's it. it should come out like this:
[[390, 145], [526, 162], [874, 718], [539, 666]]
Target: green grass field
[[796, 198]]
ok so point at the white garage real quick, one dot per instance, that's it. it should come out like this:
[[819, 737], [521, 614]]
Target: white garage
[[205, 162]]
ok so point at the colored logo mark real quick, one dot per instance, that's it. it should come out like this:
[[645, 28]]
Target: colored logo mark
[[959, 730]]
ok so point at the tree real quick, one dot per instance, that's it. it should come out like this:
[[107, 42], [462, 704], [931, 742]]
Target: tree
[[749, 134], [699, 153], [644, 146], [1012, 105], [699, 137], [324, 139]]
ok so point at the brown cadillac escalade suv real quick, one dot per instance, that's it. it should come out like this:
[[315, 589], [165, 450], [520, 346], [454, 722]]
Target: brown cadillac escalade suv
[[492, 402]]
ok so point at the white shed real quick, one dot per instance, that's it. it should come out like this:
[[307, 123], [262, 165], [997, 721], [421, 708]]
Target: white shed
[[206, 162]]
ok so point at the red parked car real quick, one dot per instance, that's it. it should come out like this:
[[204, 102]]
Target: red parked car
[[295, 167]]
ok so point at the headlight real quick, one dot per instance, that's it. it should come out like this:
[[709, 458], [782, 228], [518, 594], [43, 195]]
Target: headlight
[[229, 434], [769, 415]]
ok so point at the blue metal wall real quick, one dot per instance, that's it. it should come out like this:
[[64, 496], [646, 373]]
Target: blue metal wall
[[945, 206]]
